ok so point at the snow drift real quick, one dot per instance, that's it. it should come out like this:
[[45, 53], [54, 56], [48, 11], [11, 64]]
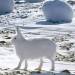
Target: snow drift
[[6, 6], [57, 11]]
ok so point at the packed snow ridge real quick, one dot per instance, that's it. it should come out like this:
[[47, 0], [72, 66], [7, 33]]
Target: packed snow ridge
[[34, 48]]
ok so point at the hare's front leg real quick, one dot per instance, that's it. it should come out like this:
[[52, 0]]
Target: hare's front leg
[[19, 65], [26, 65]]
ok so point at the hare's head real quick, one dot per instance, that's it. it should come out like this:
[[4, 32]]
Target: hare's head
[[17, 36], [14, 39]]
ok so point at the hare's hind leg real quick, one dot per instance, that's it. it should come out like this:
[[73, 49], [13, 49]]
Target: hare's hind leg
[[40, 66], [53, 65]]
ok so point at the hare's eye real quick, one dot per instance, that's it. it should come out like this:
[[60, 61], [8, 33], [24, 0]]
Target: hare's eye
[[15, 38]]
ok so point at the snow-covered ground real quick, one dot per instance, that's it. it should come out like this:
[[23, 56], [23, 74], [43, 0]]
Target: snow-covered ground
[[30, 18]]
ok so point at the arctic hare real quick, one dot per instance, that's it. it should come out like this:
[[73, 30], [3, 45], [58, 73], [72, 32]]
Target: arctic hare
[[35, 48]]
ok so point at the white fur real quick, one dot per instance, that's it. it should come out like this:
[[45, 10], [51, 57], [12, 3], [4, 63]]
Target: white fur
[[57, 11], [35, 48], [6, 6]]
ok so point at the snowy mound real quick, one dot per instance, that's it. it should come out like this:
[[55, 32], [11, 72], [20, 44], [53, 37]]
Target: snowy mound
[[57, 11], [6, 6], [34, 1]]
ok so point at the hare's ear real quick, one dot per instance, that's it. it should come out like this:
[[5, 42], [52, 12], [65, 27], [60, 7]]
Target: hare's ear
[[18, 31]]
